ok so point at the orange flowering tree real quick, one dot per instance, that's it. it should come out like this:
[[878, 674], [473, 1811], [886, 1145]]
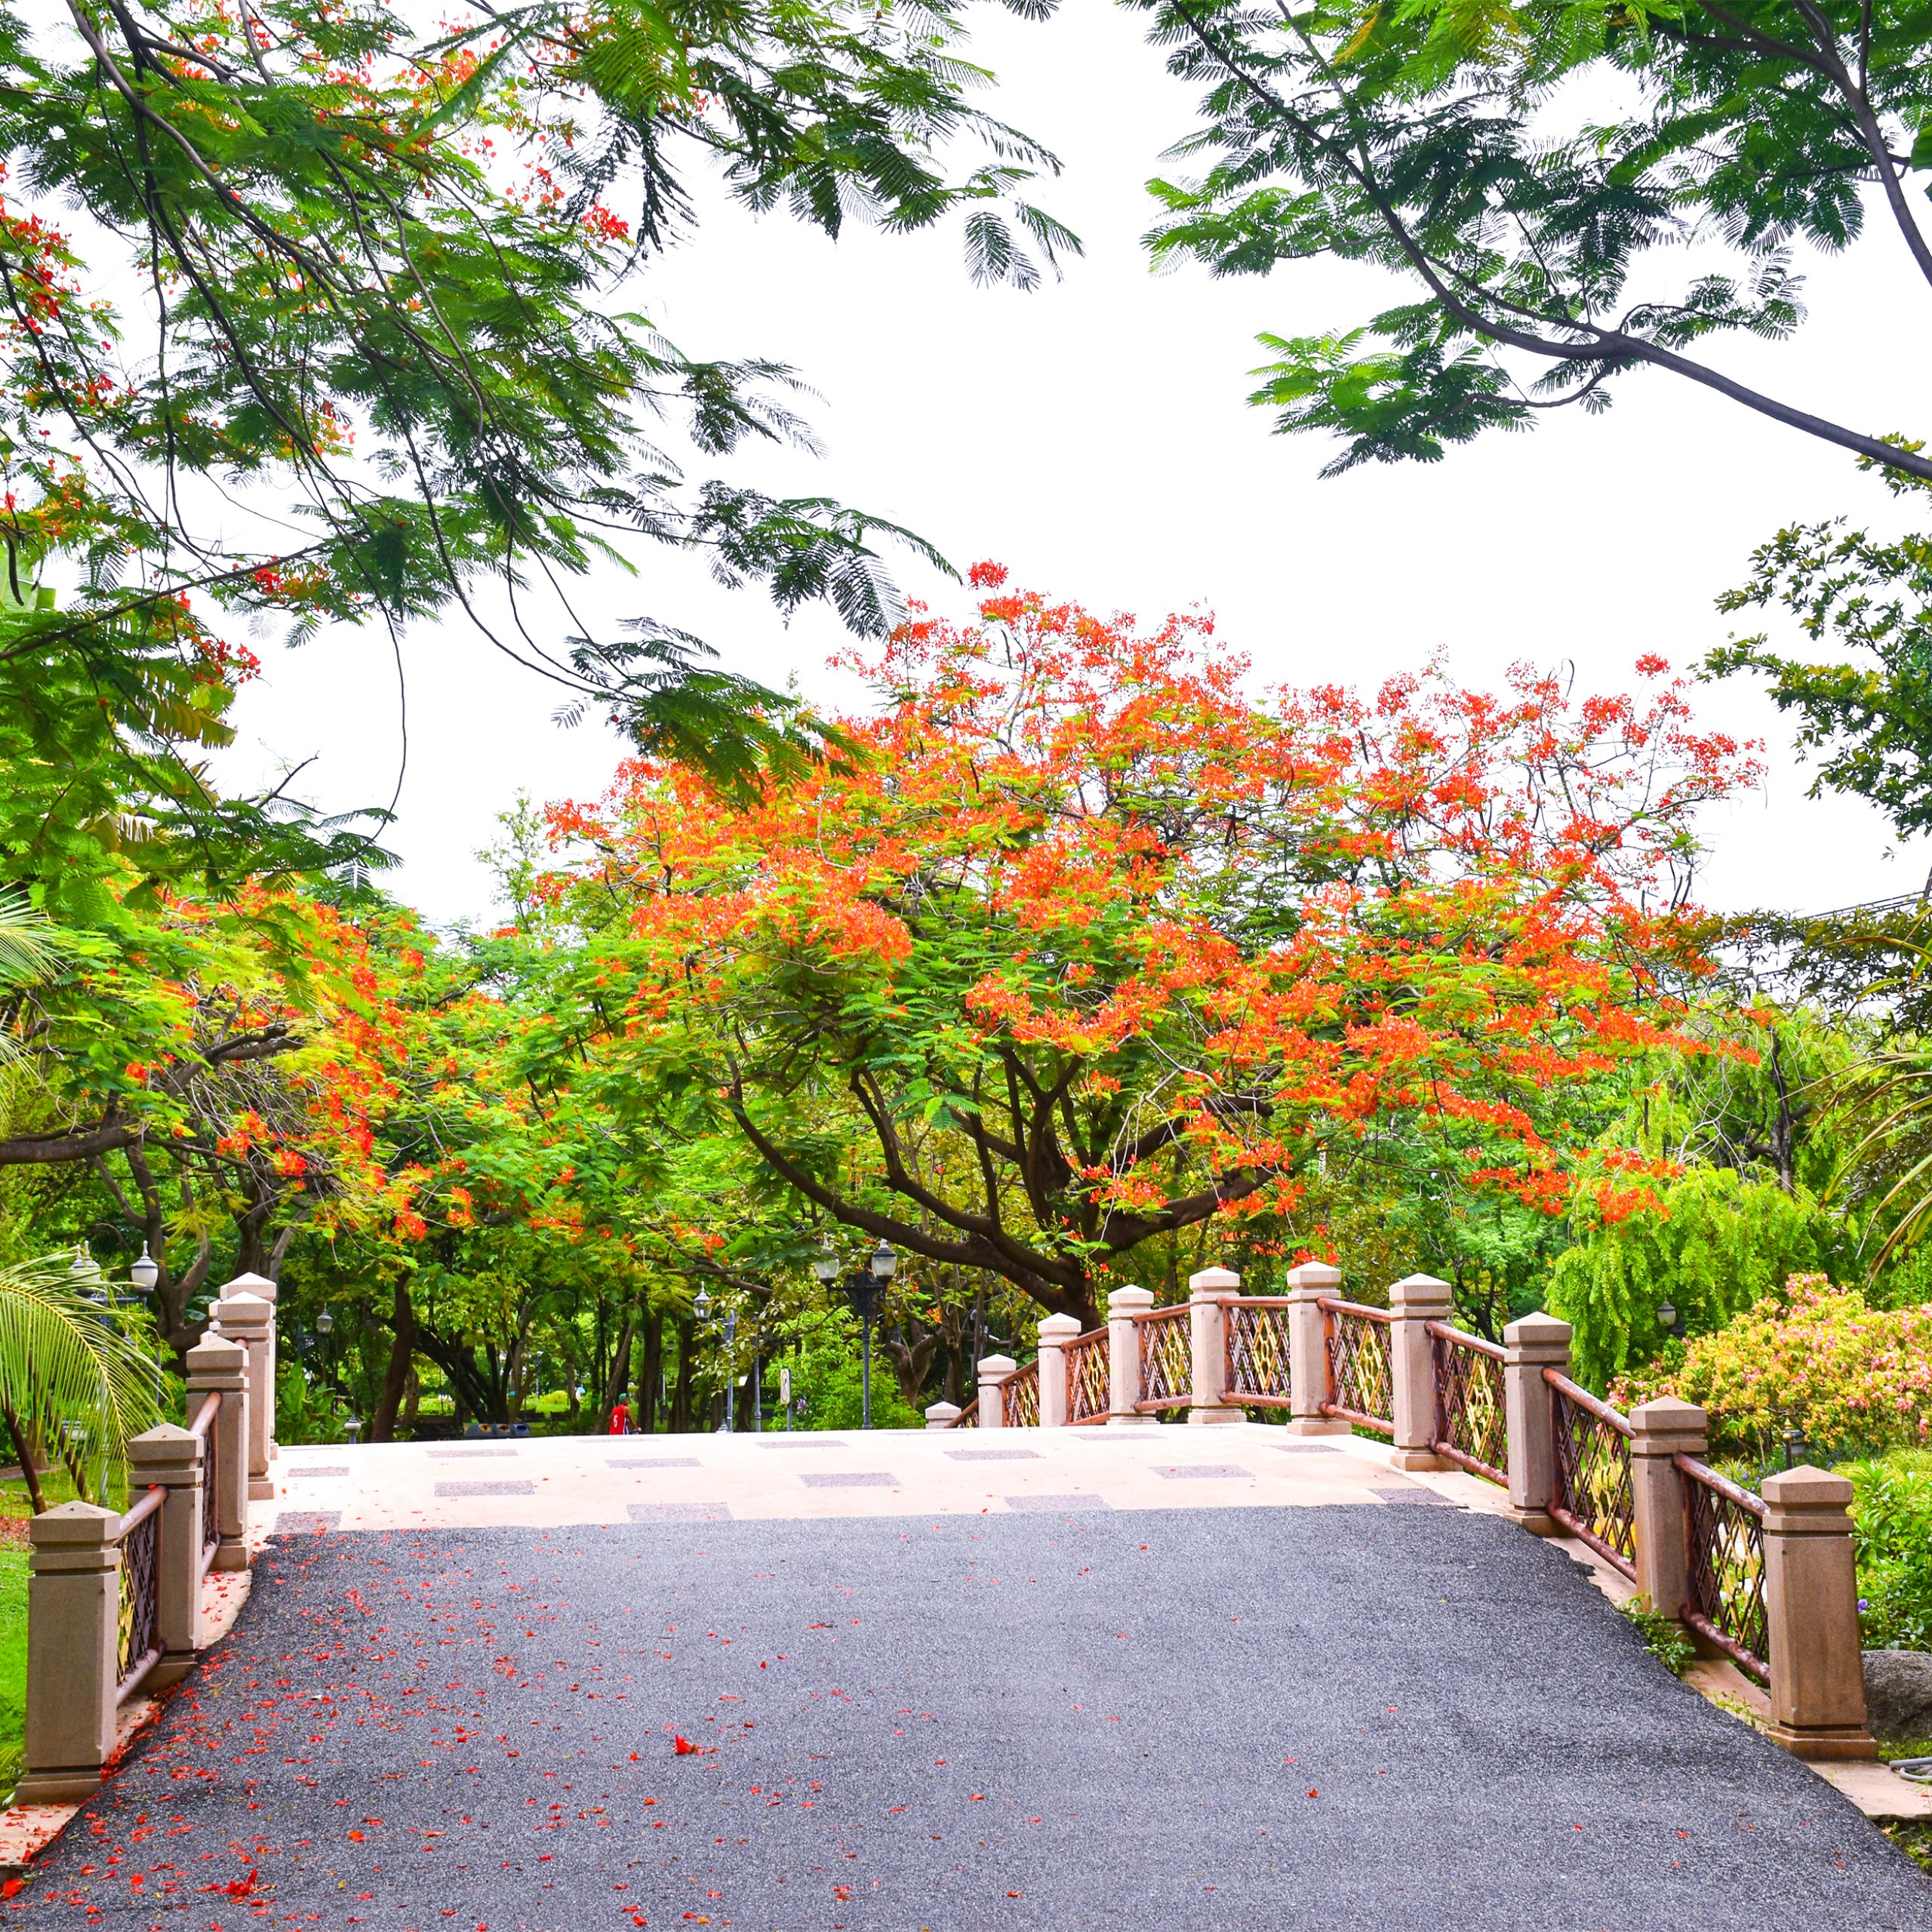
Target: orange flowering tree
[[1085, 945]]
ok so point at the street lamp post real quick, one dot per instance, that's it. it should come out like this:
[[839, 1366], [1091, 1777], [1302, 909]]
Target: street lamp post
[[861, 1289]]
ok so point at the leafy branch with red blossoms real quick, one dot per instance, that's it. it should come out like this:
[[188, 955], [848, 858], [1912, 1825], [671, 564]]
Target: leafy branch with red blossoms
[[1085, 944]]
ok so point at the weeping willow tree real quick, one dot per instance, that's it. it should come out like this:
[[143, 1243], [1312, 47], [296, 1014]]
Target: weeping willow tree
[[73, 1379]]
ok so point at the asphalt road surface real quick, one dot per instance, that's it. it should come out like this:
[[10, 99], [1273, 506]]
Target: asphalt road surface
[[1348, 1717]]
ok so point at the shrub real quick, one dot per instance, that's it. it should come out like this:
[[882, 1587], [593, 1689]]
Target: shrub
[[1850, 1377], [1893, 1511]]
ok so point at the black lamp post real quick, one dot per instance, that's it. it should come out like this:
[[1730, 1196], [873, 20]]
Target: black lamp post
[[862, 1288]]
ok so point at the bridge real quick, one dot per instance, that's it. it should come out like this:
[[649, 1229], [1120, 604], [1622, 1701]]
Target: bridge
[[1246, 1672]]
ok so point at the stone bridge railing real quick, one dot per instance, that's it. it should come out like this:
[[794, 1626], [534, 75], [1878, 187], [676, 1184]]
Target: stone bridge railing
[[1767, 1580], [114, 1600]]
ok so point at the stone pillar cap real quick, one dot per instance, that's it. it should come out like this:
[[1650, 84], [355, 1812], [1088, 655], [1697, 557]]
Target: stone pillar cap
[[215, 1350], [997, 1365], [1211, 1279], [1538, 1329], [945, 1410], [1056, 1326], [73, 1525], [258, 1285], [1320, 1275], [1423, 1288], [1670, 1414], [162, 1431], [1129, 1295], [1807, 1488]]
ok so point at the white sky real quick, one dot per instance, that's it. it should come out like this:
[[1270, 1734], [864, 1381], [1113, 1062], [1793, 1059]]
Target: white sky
[[1093, 436]]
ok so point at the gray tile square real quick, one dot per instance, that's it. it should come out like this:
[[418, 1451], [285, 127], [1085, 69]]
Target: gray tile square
[[307, 1522], [1220, 1472], [994, 1455], [1414, 1492], [781, 1440], [849, 1479], [315, 1472], [1058, 1505], [479, 1449], [654, 1463], [453, 1489], [680, 1512], [1304, 1449]]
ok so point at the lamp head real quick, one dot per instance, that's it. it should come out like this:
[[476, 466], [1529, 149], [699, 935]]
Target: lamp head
[[884, 1262], [145, 1273], [701, 1307], [1666, 1315], [324, 1322], [825, 1264]]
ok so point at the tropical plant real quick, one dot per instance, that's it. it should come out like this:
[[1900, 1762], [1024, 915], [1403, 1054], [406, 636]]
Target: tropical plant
[[1891, 1515], [77, 1383], [1525, 168]]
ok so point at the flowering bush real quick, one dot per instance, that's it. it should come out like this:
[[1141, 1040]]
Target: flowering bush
[[1850, 1375]]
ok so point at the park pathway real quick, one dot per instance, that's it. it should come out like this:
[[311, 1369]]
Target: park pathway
[[1200, 1678]]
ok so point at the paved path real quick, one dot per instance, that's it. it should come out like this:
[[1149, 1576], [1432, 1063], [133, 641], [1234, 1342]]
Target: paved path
[[1249, 1715]]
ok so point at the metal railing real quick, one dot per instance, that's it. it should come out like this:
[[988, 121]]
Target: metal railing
[[1166, 1358], [1019, 1398], [1089, 1378], [1724, 1526], [968, 1417], [1594, 1500], [1255, 1372], [1361, 1380], [140, 1593], [1472, 1415], [207, 1426]]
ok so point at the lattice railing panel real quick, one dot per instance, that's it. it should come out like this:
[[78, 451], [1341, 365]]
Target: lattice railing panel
[[1594, 1496], [1257, 1343], [1361, 1380], [1725, 1528], [1166, 1358], [1089, 1377], [140, 1591], [1472, 1422], [1020, 1398], [969, 1417]]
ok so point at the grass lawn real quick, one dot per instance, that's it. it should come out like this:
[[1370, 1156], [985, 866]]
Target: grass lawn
[[13, 1662]]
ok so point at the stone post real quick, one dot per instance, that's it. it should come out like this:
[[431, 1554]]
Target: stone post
[[171, 1457], [995, 1372], [73, 1652], [1207, 1333], [249, 1320], [260, 1286], [1413, 1300], [217, 1367], [1308, 1350], [1536, 1342], [1123, 1356], [942, 1415], [1811, 1606], [1663, 1428], [1054, 1334]]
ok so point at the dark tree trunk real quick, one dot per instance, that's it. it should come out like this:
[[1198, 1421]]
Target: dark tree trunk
[[395, 1380], [681, 1395], [616, 1385], [647, 1376]]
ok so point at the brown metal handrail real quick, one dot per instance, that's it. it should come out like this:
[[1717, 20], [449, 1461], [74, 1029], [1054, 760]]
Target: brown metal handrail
[[205, 1427], [1167, 1358], [140, 1593], [1594, 1500], [1089, 1378], [968, 1417], [1472, 1415], [1358, 1346], [1723, 1527], [1256, 1352]]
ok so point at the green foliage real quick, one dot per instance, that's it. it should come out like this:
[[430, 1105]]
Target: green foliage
[[1523, 166], [306, 1411], [826, 1373], [14, 1572], [1663, 1636], [1892, 1511], [1717, 1243]]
